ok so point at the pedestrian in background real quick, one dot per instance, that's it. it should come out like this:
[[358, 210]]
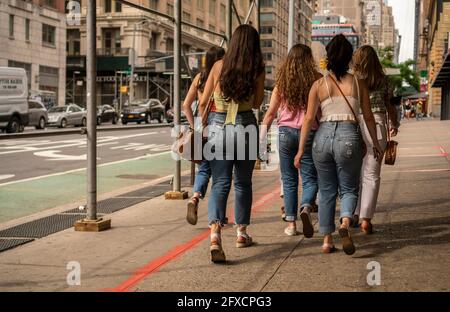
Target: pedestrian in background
[[338, 147], [419, 111], [289, 101], [190, 107], [237, 84], [367, 67]]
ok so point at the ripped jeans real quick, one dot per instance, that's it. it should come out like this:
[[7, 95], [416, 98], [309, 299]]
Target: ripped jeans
[[337, 154]]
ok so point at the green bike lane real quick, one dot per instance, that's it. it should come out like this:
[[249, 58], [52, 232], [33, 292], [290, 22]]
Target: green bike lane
[[24, 198]]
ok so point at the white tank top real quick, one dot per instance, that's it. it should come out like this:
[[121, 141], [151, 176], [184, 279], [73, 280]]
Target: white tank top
[[336, 109]]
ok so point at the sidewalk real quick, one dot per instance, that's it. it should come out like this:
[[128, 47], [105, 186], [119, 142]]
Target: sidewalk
[[152, 248]]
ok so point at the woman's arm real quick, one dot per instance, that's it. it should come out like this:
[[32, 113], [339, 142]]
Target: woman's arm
[[210, 85], [272, 112], [190, 98], [313, 106], [259, 94], [368, 116]]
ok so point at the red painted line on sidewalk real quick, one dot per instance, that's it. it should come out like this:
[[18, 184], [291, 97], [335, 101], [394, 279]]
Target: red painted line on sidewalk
[[172, 254], [443, 152]]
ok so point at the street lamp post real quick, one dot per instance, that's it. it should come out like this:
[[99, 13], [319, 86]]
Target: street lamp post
[[133, 58]]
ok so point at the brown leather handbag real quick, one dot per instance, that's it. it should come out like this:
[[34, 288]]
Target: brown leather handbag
[[391, 147]]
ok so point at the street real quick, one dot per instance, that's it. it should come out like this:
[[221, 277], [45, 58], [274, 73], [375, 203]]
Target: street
[[44, 172]]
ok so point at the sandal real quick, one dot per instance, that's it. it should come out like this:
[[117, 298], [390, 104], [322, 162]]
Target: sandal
[[192, 208], [368, 230], [328, 248], [347, 242], [290, 231], [217, 253], [243, 240], [308, 228]]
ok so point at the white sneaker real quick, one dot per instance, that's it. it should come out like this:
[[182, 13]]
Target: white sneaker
[[289, 231]]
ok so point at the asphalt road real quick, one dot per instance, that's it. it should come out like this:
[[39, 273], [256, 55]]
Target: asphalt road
[[33, 157]]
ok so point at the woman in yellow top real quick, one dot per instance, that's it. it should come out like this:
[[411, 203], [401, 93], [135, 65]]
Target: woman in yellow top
[[195, 93], [237, 84]]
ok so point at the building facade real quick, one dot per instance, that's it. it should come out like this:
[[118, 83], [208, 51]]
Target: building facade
[[121, 28], [437, 57], [33, 37], [352, 10], [274, 31], [324, 33]]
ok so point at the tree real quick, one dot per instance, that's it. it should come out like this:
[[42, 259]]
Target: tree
[[407, 77]]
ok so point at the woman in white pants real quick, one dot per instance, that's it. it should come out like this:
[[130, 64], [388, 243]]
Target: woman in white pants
[[368, 67]]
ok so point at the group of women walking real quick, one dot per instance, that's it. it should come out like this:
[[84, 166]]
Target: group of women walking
[[323, 122]]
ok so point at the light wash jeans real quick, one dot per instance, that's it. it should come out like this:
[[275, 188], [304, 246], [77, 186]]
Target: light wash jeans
[[288, 148], [337, 154], [228, 168], [202, 178], [371, 169]]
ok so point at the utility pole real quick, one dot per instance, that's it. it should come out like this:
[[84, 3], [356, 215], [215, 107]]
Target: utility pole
[[229, 20], [291, 27], [177, 193], [91, 223]]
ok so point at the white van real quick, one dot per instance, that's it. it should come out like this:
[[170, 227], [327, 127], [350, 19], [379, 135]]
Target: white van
[[13, 99]]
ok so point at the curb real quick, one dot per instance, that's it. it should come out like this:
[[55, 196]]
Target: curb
[[80, 131]]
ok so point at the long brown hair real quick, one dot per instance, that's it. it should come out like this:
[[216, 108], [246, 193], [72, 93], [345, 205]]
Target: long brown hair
[[242, 64], [213, 55], [366, 64], [296, 77]]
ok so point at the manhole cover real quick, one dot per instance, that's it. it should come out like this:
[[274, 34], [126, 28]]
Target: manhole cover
[[138, 176]]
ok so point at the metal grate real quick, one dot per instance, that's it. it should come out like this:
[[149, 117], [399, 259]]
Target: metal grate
[[148, 192], [42, 227], [6, 244]]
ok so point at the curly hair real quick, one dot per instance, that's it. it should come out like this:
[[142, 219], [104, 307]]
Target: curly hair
[[242, 64], [296, 77], [366, 64]]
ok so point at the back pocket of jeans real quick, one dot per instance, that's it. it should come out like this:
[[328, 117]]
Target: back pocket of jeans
[[319, 143], [348, 149]]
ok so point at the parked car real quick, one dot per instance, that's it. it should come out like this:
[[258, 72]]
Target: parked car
[[63, 116], [143, 111], [13, 99], [170, 116], [37, 114], [106, 113]]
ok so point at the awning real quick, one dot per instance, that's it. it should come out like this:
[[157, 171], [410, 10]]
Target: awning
[[443, 77]]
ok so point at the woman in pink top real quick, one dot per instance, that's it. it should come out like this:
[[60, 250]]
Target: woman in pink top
[[289, 100]]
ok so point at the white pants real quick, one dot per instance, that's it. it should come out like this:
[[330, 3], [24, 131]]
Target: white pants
[[371, 169]]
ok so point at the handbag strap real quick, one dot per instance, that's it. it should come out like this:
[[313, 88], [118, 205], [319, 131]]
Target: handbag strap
[[343, 95]]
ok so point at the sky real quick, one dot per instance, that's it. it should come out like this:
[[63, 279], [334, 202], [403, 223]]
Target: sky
[[404, 15]]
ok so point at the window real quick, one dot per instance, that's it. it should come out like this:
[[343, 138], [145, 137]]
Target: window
[[268, 56], [108, 6], [73, 42], [11, 26], [266, 43], [266, 3], [212, 7], [153, 4], [27, 29], [223, 9], [48, 34], [269, 70], [201, 24], [266, 29], [267, 17], [200, 4], [118, 6], [170, 9]]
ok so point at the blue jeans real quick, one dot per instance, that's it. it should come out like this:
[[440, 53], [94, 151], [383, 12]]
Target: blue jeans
[[288, 148], [202, 178], [228, 167], [337, 154]]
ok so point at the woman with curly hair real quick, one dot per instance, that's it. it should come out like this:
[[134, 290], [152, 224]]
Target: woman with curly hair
[[289, 100], [237, 85]]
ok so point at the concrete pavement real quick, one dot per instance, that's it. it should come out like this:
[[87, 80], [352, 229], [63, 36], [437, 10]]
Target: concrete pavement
[[152, 248]]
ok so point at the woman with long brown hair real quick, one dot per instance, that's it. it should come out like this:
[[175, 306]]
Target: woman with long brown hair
[[367, 66], [195, 93], [289, 100], [237, 84]]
